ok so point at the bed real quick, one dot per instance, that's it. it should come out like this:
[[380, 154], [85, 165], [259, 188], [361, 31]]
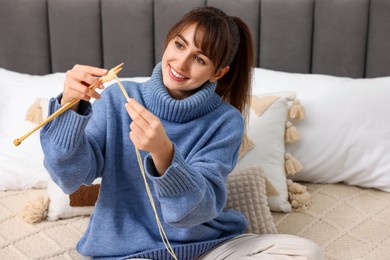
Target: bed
[[331, 58]]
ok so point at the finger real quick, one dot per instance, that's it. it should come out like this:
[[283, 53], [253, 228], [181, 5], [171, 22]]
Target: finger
[[146, 114], [82, 76], [87, 74], [134, 127], [95, 71], [135, 139], [139, 124], [137, 117], [88, 92], [75, 89]]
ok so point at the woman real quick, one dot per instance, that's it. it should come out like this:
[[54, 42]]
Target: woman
[[189, 130]]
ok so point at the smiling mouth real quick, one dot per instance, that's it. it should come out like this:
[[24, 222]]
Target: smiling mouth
[[176, 74]]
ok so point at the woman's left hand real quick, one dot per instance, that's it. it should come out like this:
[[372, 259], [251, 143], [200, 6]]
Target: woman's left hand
[[148, 134]]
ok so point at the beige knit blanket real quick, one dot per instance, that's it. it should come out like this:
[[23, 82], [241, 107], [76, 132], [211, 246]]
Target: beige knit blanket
[[347, 222]]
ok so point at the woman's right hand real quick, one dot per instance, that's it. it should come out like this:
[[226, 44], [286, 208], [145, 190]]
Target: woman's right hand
[[77, 83]]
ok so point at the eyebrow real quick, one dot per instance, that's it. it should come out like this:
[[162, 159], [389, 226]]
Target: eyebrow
[[186, 42], [182, 37]]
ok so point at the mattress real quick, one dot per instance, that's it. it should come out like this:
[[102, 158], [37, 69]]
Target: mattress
[[347, 222]]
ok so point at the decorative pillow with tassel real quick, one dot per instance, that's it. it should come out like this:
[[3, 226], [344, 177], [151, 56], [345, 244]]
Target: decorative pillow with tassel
[[57, 205], [271, 128]]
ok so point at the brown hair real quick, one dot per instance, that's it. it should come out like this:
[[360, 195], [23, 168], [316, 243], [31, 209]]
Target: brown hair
[[227, 41]]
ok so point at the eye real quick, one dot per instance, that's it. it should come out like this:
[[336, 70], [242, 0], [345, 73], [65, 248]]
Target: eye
[[199, 60], [179, 45]]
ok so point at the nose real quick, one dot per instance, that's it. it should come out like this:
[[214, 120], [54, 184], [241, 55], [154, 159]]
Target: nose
[[183, 61]]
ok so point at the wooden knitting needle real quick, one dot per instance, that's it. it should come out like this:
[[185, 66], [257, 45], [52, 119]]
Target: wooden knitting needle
[[110, 76]]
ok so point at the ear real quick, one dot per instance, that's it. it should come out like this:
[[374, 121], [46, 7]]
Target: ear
[[219, 74]]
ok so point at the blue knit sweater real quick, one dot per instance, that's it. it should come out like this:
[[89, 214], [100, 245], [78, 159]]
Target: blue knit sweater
[[190, 196]]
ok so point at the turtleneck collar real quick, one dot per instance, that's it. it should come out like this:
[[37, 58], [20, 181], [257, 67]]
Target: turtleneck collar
[[160, 103]]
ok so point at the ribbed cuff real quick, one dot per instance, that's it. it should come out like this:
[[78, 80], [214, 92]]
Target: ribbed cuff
[[67, 129], [177, 179]]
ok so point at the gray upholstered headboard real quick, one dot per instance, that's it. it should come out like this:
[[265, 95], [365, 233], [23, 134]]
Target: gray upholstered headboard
[[337, 37]]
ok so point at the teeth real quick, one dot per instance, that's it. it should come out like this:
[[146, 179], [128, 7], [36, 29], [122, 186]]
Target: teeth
[[177, 75]]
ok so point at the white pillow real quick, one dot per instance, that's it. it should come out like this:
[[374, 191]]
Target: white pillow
[[59, 203], [267, 131], [21, 167], [345, 136]]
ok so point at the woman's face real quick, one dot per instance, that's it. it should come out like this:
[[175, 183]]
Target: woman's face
[[185, 67]]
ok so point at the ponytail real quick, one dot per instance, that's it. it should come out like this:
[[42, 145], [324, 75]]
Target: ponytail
[[235, 85]]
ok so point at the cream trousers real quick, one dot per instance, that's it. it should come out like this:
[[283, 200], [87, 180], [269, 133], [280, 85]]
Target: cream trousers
[[265, 247]]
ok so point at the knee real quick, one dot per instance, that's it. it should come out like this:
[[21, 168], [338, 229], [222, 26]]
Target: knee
[[311, 249]]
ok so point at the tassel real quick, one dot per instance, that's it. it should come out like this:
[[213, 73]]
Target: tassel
[[296, 110], [291, 134], [298, 196], [294, 187], [292, 165], [35, 210], [34, 112]]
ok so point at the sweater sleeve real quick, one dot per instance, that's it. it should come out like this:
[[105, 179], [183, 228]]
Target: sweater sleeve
[[71, 156], [193, 190]]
